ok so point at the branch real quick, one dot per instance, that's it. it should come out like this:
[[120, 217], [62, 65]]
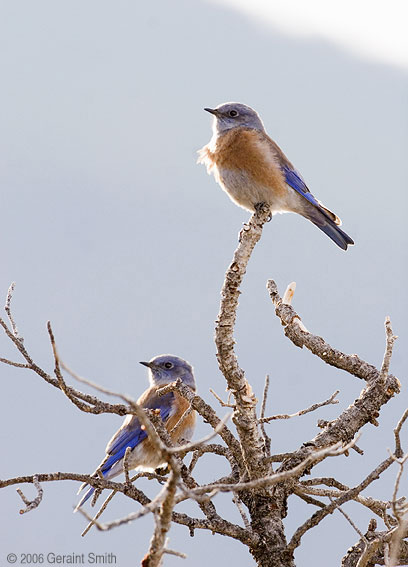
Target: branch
[[314, 407], [244, 417], [31, 504], [329, 509], [208, 414], [351, 363]]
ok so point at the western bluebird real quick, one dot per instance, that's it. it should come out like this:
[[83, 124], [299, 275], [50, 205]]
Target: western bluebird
[[252, 169], [163, 370]]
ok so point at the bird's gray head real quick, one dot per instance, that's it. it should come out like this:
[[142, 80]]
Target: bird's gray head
[[166, 368], [234, 115]]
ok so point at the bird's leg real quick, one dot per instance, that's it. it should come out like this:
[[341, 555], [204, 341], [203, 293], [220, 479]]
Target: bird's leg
[[259, 207], [162, 471]]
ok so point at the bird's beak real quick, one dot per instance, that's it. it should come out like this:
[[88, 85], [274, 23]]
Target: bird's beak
[[148, 364], [212, 111]]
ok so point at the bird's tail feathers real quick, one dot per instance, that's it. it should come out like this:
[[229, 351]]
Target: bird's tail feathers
[[85, 497], [332, 216], [332, 230]]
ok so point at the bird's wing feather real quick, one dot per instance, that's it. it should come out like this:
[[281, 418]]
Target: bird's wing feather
[[131, 433], [294, 179]]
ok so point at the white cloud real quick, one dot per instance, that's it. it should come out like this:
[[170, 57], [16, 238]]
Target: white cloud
[[373, 28]]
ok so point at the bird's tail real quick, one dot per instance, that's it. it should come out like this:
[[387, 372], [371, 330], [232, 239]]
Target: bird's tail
[[323, 219], [85, 497], [335, 233]]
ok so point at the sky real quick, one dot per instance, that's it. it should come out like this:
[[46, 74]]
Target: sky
[[368, 28], [113, 232]]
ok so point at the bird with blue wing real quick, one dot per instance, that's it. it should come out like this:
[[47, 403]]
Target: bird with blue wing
[[253, 170], [163, 370]]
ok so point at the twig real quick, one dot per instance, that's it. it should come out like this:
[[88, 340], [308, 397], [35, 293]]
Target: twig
[[308, 499], [267, 439], [314, 407], [31, 504], [236, 500], [329, 509], [101, 510], [397, 431], [318, 346], [191, 446], [245, 418], [390, 340], [126, 464], [211, 448], [7, 309], [350, 521], [181, 420], [12, 363], [276, 478], [176, 553], [220, 401], [207, 413]]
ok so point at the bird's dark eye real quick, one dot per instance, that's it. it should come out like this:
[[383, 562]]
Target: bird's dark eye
[[168, 365], [233, 113]]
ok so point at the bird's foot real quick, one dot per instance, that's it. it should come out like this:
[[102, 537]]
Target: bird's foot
[[162, 471], [259, 207]]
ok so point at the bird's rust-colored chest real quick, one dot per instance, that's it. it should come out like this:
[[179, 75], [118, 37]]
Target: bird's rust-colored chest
[[245, 150]]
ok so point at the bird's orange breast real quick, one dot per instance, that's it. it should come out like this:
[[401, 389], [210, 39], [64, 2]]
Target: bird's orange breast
[[248, 150]]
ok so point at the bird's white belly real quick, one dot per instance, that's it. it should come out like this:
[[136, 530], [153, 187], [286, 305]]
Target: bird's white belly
[[246, 192]]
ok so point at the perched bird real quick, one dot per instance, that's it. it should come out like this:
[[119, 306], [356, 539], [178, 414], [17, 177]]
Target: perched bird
[[253, 170], [163, 370]]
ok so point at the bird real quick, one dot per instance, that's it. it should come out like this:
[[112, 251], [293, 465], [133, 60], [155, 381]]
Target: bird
[[253, 170], [163, 369]]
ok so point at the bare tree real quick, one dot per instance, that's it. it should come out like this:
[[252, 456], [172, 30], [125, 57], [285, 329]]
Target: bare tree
[[259, 481]]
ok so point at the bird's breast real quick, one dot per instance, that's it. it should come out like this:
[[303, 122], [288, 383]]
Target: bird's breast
[[246, 167]]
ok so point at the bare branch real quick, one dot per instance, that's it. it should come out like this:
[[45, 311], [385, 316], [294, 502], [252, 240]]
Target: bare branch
[[267, 439], [236, 500], [220, 401], [211, 448], [397, 431], [329, 509], [191, 446], [163, 519], [350, 521], [390, 340], [207, 413], [318, 346], [7, 309], [276, 478], [31, 504], [314, 407], [245, 416], [16, 364]]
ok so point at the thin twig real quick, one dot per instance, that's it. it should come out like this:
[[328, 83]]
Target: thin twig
[[12, 363], [7, 309], [390, 340], [31, 504], [329, 509], [220, 400], [397, 431], [267, 439], [313, 407]]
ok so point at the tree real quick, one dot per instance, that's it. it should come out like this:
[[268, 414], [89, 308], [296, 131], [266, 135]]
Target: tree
[[259, 482]]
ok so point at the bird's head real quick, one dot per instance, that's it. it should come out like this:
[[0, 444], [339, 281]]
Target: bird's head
[[234, 115], [166, 368]]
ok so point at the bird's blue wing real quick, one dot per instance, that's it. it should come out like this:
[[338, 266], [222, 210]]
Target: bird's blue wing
[[132, 434], [293, 179], [322, 217]]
